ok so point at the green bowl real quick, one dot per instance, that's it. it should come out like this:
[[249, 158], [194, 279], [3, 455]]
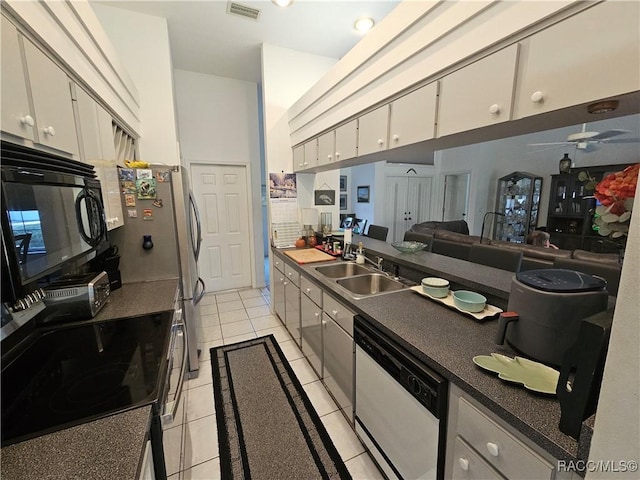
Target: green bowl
[[435, 287], [408, 247], [469, 301]]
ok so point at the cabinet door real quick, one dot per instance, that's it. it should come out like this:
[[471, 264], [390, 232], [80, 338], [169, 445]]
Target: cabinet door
[[110, 180], [278, 294], [467, 465], [479, 94], [311, 322], [413, 116], [311, 153], [51, 94], [17, 117], [298, 158], [326, 148], [590, 56], [373, 131], [292, 310], [347, 141], [338, 364]]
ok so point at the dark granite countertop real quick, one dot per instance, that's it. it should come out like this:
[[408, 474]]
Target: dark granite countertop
[[447, 340], [107, 448]]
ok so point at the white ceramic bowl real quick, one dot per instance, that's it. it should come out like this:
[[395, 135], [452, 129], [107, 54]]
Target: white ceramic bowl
[[469, 301], [436, 287]]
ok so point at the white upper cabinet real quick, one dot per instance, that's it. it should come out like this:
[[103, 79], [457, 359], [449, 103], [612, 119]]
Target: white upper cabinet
[[298, 158], [311, 153], [51, 94], [413, 116], [346, 141], [17, 117], [98, 150], [373, 131], [479, 94], [590, 56], [326, 148]]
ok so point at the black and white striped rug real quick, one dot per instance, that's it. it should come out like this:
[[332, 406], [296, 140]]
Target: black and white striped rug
[[267, 427]]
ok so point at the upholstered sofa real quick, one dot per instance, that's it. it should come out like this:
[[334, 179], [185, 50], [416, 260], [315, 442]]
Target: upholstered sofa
[[440, 240]]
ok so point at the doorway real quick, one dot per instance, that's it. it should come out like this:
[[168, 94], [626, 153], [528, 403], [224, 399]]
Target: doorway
[[407, 202], [455, 202], [222, 196]]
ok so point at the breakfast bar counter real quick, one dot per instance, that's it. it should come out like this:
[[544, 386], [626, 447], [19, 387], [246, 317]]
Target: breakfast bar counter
[[447, 340]]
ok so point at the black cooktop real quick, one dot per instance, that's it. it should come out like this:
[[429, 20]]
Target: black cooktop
[[68, 376]]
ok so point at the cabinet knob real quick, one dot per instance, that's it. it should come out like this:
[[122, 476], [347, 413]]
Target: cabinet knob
[[27, 120], [316, 314], [324, 323], [395, 138], [380, 141], [537, 97], [337, 154], [308, 290], [494, 109], [334, 312], [493, 449], [49, 131], [329, 157], [464, 463]]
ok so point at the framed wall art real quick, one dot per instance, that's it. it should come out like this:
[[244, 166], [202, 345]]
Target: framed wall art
[[324, 197], [363, 194], [343, 183], [343, 201]]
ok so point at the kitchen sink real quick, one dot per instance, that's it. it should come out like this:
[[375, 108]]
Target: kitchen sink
[[339, 270], [370, 284]]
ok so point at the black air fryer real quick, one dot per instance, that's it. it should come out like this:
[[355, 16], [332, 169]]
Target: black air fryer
[[545, 310]]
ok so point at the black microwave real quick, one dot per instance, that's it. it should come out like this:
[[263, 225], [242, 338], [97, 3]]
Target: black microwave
[[52, 216]]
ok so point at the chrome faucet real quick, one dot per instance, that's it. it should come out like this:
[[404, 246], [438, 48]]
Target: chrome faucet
[[377, 264]]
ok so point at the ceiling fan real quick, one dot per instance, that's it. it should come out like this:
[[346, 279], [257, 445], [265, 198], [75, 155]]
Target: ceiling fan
[[584, 139]]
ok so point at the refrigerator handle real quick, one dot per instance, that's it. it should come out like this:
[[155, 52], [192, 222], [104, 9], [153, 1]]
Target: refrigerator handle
[[197, 296], [197, 241]]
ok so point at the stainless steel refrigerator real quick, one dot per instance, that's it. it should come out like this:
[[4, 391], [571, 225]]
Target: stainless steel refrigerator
[[158, 203]]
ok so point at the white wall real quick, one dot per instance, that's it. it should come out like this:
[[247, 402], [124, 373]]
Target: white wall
[[142, 43], [617, 428], [218, 124]]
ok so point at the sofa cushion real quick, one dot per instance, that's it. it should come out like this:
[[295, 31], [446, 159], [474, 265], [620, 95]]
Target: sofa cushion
[[613, 258], [607, 271], [533, 251], [456, 237], [451, 249], [459, 226]]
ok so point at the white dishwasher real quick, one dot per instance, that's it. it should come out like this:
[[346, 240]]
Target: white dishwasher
[[400, 406]]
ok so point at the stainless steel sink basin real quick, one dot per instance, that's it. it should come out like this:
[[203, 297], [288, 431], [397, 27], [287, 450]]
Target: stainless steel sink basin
[[339, 270], [368, 285]]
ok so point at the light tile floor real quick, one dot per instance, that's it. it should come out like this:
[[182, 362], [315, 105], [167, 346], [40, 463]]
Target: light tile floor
[[228, 318]]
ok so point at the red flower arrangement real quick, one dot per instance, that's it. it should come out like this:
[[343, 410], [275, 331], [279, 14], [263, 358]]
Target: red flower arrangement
[[615, 193]]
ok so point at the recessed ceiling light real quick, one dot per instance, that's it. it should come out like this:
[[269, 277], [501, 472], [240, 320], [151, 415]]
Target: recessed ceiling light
[[364, 24], [282, 3]]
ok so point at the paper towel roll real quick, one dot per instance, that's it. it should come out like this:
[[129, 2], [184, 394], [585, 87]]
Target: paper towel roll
[[347, 235]]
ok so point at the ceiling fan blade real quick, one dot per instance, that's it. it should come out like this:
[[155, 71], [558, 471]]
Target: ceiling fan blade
[[550, 143], [620, 140], [608, 134]]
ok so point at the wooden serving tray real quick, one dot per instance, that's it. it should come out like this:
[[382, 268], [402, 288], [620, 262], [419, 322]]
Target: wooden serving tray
[[488, 313]]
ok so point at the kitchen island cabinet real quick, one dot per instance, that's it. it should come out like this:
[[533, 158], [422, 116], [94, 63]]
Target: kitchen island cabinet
[[292, 302]]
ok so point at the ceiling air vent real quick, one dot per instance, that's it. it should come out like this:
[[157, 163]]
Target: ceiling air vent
[[234, 8]]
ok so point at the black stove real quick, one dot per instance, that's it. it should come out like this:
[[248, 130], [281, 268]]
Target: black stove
[[71, 375]]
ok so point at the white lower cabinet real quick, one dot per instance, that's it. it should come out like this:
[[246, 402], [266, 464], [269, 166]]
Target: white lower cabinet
[[292, 302], [480, 446], [338, 353], [278, 288], [311, 323]]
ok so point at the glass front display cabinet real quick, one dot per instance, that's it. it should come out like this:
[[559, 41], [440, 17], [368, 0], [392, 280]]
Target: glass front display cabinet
[[517, 204]]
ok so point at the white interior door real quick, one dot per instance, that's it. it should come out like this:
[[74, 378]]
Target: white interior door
[[407, 201], [222, 196], [456, 197]]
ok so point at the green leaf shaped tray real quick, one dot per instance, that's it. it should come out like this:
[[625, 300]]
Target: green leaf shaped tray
[[533, 375]]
